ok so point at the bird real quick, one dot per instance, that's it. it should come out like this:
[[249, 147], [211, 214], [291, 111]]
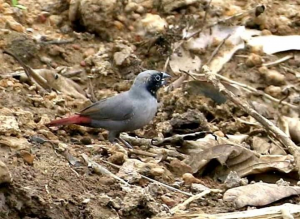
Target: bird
[[126, 111]]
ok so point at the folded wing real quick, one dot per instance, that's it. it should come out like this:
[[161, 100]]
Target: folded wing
[[117, 108]]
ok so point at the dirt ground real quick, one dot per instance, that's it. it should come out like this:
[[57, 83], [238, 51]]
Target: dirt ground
[[94, 49]]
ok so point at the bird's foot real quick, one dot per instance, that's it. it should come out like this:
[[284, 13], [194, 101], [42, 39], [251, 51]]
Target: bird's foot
[[125, 143]]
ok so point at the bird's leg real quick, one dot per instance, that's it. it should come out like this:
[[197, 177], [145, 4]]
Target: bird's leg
[[124, 142]]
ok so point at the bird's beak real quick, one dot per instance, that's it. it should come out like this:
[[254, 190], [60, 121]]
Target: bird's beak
[[164, 76]]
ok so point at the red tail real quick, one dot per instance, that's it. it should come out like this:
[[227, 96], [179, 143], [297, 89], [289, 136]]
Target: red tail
[[76, 119]]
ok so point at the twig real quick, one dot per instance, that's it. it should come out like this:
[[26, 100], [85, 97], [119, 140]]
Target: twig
[[91, 90], [100, 169], [184, 205], [204, 21], [217, 49], [269, 126], [31, 74], [141, 152], [57, 42], [251, 89], [178, 139], [152, 180], [283, 59]]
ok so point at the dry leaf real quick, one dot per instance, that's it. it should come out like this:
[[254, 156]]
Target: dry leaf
[[259, 194], [272, 44], [236, 158]]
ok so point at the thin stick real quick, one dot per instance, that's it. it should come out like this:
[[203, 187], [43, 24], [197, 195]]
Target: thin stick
[[184, 205], [152, 180], [217, 49], [251, 89], [101, 170], [31, 74], [204, 21], [278, 61]]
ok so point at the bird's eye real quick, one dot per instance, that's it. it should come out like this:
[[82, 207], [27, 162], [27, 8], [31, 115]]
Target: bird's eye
[[157, 78]]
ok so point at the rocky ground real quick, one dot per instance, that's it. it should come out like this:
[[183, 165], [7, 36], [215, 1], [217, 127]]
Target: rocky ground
[[201, 147]]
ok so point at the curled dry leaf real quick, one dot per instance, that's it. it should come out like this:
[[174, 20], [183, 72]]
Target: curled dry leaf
[[266, 146], [259, 194], [272, 44], [291, 127], [236, 158]]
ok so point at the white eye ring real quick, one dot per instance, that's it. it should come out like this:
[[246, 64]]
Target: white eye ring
[[157, 77]]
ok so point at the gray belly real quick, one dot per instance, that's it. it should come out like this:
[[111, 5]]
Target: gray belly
[[142, 116]]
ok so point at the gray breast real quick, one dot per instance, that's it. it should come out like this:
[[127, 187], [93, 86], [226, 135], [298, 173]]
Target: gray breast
[[144, 112]]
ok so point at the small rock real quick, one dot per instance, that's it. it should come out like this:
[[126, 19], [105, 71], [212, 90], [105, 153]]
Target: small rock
[[55, 50], [178, 168], [9, 125], [188, 179], [104, 199], [131, 6], [86, 141], [66, 29], [140, 9], [119, 25], [55, 20], [25, 119], [89, 52], [5, 175], [157, 171], [17, 143], [46, 59], [76, 46], [14, 25], [272, 77], [281, 182], [254, 60], [266, 32], [168, 201], [198, 187], [117, 158], [274, 91], [27, 157], [234, 180], [153, 23]]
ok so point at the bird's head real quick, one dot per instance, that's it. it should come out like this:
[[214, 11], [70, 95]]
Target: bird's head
[[151, 80]]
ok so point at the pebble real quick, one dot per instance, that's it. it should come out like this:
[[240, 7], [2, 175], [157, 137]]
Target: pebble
[[274, 91], [117, 158], [198, 187], [131, 6], [55, 20], [89, 52], [168, 201], [5, 175], [254, 60], [14, 25], [273, 77]]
